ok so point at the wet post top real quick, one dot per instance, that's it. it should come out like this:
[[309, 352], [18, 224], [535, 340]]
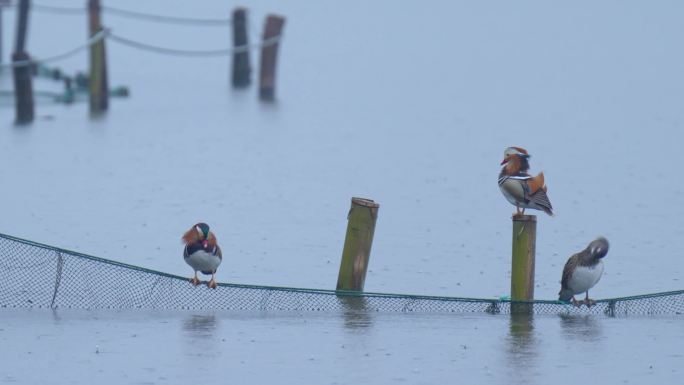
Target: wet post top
[[523, 255], [357, 244]]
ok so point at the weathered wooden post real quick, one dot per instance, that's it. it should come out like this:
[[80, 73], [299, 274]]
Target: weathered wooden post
[[241, 69], [99, 94], [522, 267], [269, 51], [357, 244], [23, 86]]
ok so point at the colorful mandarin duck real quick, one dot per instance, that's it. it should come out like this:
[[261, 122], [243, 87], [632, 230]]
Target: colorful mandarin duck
[[202, 252], [582, 271], [521, 189]]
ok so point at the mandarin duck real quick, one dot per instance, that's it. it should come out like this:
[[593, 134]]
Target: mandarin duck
[[521, 189], [202, 252], [582, 271]]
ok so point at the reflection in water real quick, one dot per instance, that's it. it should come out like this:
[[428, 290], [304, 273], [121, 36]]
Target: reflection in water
[[201, 348], [583, 327], [55, 316], [356, 314], [522, 346], [200, 325]]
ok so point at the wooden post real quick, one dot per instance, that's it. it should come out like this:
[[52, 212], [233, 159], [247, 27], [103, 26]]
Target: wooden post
[[522, 267], [3, 4], [357, 244], [23, 86], [241, 69], [269, 50], [99, 95]]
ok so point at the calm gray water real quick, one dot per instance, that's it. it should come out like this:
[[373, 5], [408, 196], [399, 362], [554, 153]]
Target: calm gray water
[[146, 348], [411, 105]]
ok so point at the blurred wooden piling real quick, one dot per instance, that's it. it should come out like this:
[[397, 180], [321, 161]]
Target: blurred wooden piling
[[523, 260], [272, 32], [241, 68], [3, 3], [357, 244], [99, 95], [23, 86]]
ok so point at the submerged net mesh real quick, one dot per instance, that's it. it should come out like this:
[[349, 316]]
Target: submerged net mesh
[[41, 276]]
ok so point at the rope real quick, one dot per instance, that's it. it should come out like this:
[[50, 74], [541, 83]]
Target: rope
[[130, 14], [56, 9], [140, 45], [96, 38], [194, 53], [9, 94], [164, 19]]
